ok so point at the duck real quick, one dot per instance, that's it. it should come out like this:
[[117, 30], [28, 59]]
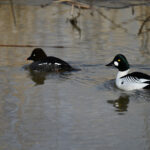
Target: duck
[[128, 81], [43, 63]]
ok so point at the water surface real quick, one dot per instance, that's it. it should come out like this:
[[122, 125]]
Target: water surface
[[79, 110]]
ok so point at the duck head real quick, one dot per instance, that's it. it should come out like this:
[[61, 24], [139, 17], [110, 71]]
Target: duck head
[[120, 62], [37, 54]]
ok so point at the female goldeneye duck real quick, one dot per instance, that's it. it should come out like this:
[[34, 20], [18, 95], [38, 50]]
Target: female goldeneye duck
[[44, 63], [132, 81]]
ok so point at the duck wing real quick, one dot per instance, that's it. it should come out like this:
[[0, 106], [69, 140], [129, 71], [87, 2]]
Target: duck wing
[[138, 77]]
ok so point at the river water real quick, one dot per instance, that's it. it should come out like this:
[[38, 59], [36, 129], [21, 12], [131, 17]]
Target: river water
[[79, 110]]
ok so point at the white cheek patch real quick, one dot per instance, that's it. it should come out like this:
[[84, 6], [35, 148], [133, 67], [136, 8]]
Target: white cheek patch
[[116, 63], [57, 64]]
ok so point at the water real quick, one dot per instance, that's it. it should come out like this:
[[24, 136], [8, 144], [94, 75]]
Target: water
[[79, 110]]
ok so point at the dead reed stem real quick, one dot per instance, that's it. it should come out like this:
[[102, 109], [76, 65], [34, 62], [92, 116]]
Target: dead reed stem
[[13, 11]]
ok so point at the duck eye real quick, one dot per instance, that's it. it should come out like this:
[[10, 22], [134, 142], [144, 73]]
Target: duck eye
[[119, 60]]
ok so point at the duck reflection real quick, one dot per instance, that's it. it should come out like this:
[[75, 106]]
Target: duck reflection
[[121, 104], [40, 77], [37, 77]]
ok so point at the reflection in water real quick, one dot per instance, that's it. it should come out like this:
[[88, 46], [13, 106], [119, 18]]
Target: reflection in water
[[121, 104], [37, 77], [40, 77], [74, 22]]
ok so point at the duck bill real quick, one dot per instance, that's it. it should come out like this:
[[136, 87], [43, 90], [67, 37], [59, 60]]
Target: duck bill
[[29, 58], [110, 64]]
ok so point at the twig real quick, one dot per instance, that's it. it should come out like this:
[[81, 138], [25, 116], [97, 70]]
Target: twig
[[144, 22]]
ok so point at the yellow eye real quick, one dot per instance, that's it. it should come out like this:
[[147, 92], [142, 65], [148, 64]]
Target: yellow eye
[[119, 60]]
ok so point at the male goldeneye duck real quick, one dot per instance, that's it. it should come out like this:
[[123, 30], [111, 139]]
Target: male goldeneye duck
[[132, 81], [44, 63]]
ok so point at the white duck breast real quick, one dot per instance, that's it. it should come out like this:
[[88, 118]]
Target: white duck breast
[[129, 82]]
